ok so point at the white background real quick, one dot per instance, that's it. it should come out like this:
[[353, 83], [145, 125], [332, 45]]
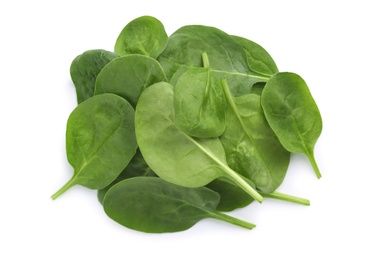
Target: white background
[[333, 45]]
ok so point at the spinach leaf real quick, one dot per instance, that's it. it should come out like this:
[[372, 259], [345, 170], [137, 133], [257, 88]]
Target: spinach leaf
[[258, 58], [232, 197], [128, 76], [85, 68], [252, 148], [226, 55], [144, 35], [136, 167], [199, 103], [292, 114], [173, 155], [100, 141], [153, 205]]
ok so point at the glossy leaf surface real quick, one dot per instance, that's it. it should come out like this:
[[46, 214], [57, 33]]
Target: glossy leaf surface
[[251, 146], [85, 68], [293, 114], [136, 167], [199, 104], [128, 76], [172, 154], [100, 141], [145, 35], [226, 55], [258, 58], [153, 205]]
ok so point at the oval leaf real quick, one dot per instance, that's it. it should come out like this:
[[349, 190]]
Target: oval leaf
[[85, 68], [199, 104], [258, 58], [153, 205], [251, 146], [100, 141], [128, 76], [145, 35], [292, 114]]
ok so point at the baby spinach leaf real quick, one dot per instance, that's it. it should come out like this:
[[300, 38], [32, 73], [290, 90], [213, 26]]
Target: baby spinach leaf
[[144, 35], [100, 141], [136, 167], [226, 55], [199, 103], [292, 114], [153, 205], [258, 58], [85, 68], [128, 76], [252, 148], [231, 196], [173, 155]]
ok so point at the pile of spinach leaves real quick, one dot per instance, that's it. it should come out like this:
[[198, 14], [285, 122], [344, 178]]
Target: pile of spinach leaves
[[172, 130]]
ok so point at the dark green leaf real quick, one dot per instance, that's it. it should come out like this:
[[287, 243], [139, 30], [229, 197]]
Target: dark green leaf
[[100, 141], [293, 114], [226, 55], [258, 58], [153, 205], [136, 167], [128, 76], [145, 35], [252, 148], [85, 68]]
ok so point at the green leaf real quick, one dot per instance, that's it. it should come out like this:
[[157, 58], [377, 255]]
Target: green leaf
[[258, 58], [199, 104], [136, 167], [226, 55], [128, 76], [145, 35], [100, 141], [293, 114], [153, 205], [231, 196], [172, 154], [251, 146], [85, 68]]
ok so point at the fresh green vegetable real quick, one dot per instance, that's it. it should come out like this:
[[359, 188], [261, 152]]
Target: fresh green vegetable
[[231, 196], [153, 205], [100, 141], [199, 103], [227, 57], [293, 114], [145, 35], [213, 130], [259, 60], [252, 148], [136, 167], [172, 154], [84, 70], [128, 76]]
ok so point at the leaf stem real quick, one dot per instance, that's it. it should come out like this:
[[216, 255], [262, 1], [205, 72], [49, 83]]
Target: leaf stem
[[243, 184], [285, 197], [205, 60], [233, 220], [65, 187], [314, 164], [231, 174]]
